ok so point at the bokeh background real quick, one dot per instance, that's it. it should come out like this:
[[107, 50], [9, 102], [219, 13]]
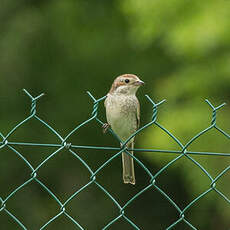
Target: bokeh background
[[180, 48]]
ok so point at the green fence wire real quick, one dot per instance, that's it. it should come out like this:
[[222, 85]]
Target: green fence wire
[[63, 144]]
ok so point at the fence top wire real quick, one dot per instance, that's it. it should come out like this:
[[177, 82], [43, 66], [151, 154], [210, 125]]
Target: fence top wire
[[64, 144]]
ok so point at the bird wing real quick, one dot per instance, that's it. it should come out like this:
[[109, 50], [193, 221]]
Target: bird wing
[[138, 114]]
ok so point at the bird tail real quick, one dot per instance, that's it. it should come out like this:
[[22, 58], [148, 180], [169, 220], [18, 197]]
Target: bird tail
[[128, 166]]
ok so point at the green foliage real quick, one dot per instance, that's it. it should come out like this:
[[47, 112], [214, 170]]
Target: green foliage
[[181, 50]]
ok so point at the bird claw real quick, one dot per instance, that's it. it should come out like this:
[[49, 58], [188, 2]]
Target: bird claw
[[105, 127]]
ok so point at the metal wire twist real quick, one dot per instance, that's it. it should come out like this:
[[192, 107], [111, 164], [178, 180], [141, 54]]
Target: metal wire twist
[[153, 178]]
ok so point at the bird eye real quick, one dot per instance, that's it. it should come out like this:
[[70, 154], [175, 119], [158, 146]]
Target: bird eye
[[127, 81]]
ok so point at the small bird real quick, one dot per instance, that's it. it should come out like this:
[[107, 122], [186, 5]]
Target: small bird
[[123, 116]]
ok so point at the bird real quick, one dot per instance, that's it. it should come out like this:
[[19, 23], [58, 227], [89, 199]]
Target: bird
[[123, 117]]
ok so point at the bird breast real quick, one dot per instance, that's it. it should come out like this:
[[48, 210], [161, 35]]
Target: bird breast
[[121, 114]]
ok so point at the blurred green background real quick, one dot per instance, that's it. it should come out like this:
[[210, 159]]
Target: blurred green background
[[180, 48]]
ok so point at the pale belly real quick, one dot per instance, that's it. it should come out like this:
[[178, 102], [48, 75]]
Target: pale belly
[[121, 114]]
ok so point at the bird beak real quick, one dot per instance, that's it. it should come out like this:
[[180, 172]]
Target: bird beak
[[139, 82]]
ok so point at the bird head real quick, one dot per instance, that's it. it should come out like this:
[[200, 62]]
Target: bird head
[[126, 84]]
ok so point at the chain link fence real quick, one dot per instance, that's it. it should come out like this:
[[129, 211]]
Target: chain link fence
[[73, 149]]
